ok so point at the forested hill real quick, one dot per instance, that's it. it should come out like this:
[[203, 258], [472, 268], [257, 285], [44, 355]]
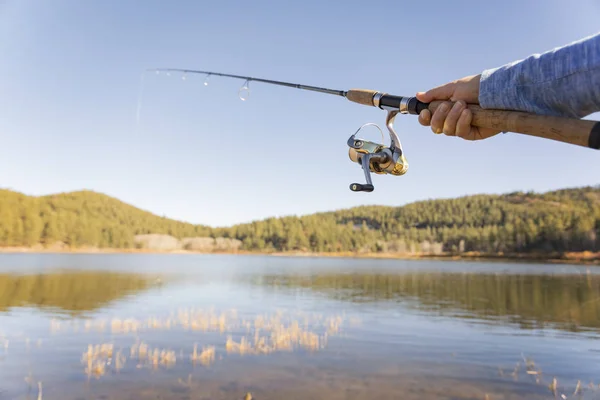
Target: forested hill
[[83, 218], [557, 221]]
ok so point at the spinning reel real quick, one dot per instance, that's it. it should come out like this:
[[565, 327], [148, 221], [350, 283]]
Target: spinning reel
[[375, 157]]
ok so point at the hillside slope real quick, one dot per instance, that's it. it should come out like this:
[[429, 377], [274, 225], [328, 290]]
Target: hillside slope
[[83, 218], [557, 221]]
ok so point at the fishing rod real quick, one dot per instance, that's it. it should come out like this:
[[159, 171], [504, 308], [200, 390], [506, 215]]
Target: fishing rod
[[381, 159]]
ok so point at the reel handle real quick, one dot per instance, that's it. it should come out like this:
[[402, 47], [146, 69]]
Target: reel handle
[[364, 187], [579, 132], [365, 162]]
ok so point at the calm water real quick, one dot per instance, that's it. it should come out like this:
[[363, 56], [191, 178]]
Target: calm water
[[217, 327]]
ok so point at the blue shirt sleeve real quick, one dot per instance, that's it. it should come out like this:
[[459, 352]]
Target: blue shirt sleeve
[[562, 82]]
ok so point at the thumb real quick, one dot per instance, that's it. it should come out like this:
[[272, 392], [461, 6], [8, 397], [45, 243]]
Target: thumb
[[443, 92]]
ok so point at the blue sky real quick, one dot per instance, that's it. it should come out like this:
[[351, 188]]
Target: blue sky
[[70, 76]]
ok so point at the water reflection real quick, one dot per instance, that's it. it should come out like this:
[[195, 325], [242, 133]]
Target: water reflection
[[566, 302], [70, 292], [222, 327]]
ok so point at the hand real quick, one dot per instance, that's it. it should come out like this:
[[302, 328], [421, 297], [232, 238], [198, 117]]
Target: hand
[[456, 120]]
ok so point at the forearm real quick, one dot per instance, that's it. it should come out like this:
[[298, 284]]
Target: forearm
[[563, 82]]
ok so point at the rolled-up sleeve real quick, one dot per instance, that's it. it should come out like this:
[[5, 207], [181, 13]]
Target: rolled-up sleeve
[[564, 82]]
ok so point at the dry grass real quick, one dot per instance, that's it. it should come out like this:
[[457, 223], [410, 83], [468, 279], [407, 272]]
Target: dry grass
[[262, 334], [206, 357], [153, 357], [97, 358], [534, 373], [265, 334]]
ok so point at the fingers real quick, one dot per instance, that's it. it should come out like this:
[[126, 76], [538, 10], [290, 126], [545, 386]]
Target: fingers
[[452, 120], [443, 92], [449, 126], [423, 96], [425, 117], [463, 125], [439, 117]]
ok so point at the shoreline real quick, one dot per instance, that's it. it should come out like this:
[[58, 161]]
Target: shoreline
[[578, 258]]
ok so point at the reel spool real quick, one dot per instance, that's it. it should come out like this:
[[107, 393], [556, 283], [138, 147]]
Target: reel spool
[[376, 157]]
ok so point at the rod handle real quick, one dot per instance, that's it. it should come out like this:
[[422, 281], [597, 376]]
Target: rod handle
[[579, 132], [361, 96]]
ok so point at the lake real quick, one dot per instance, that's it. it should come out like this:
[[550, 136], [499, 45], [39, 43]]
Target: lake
[[146, 326]]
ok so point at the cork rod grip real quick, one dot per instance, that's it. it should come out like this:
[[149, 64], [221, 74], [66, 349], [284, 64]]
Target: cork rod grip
[[567, 130], [361, 96]]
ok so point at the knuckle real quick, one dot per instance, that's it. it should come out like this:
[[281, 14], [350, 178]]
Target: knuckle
[[456, 110], [443, 108]]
